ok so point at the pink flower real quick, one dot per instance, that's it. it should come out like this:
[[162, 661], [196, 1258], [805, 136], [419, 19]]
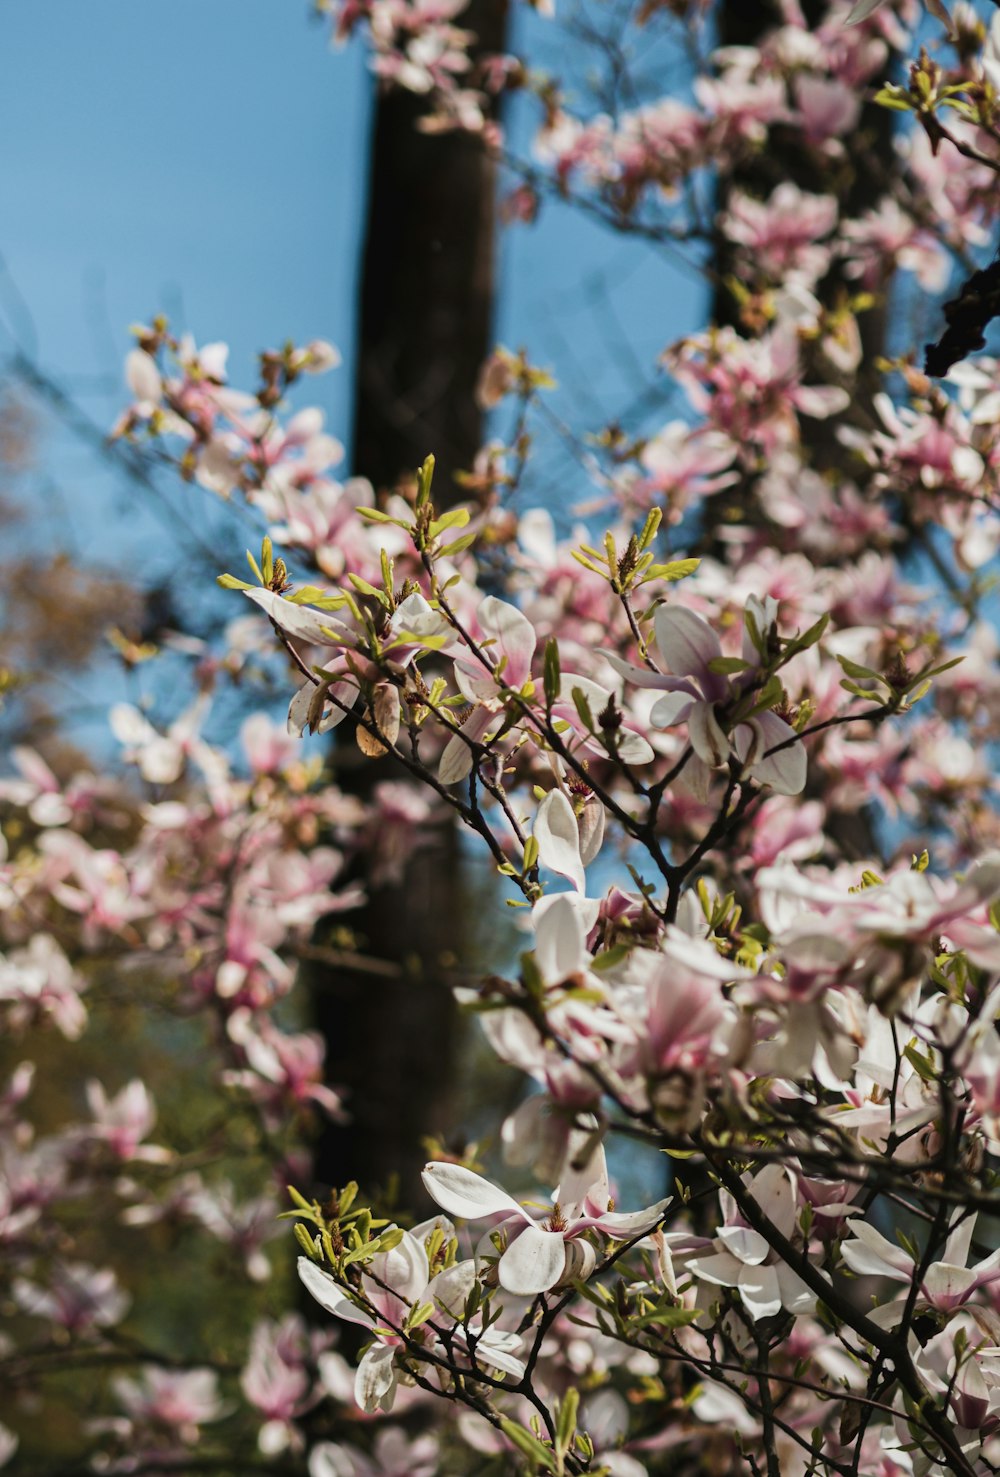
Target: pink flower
[[537, 1256]]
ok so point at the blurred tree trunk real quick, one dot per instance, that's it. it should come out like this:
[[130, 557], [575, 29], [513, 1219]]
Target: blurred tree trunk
[[425, 323]]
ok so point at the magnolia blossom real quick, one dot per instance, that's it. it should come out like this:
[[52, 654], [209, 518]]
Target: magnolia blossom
[[393, 1284], [536, 1257], [743, 1258], [702, 697], [944, 1286]]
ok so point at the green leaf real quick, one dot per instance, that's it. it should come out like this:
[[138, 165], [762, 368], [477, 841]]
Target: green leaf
[[313, 595], [364, 588], [539, 1454], [458, 546], [893, 97], [855, 669], [677, 569], [230, 582], [457, 518], [583, 708], [425, 476], [267, 560], [256, 568], [667, 1318], [650, 527], [770, 694], [810, 637], [722, 666], [569, 1407], [306, 1242], [552, 675], [375, 515]]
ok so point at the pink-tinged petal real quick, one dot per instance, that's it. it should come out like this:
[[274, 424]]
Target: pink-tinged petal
[[533, 1262], [981, 944], [460, 1191], [319, 627], [871, 1255], [946, 1286], [511, 635], [746, 1245], [959, 1243], [671, 709], [638, 676], [706, 735], [761, 1292], [329, 1294], [375, 1381], [687, 643], [785, 771], [632, 1223], [457, 758], [559, 939], [558, 838]]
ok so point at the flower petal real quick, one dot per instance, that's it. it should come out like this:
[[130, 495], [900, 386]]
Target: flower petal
[[329, 1294], [375, 1382], [687, 643], [533, 1262], [558, 837], [460, 1191], [760, 1291]]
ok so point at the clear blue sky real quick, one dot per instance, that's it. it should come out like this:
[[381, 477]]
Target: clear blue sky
[[208, 158]]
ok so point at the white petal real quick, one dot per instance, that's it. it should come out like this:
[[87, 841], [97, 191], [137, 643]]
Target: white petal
[[494, 1348], [320, 627], [329, 1294], [558, 838], [786, 771], [533, 1262], [633, 1222], [559, 939], [375, 1382], [142, 376], [451, 1287], [746, 1245], [760, 1291], [459, 1191]]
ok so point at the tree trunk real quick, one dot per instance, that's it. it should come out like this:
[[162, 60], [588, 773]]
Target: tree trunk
[[426, 313]]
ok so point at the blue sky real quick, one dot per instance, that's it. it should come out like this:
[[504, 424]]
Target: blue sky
[[209, 159]]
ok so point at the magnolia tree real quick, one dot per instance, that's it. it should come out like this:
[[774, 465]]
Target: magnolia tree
[[730, 759]]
